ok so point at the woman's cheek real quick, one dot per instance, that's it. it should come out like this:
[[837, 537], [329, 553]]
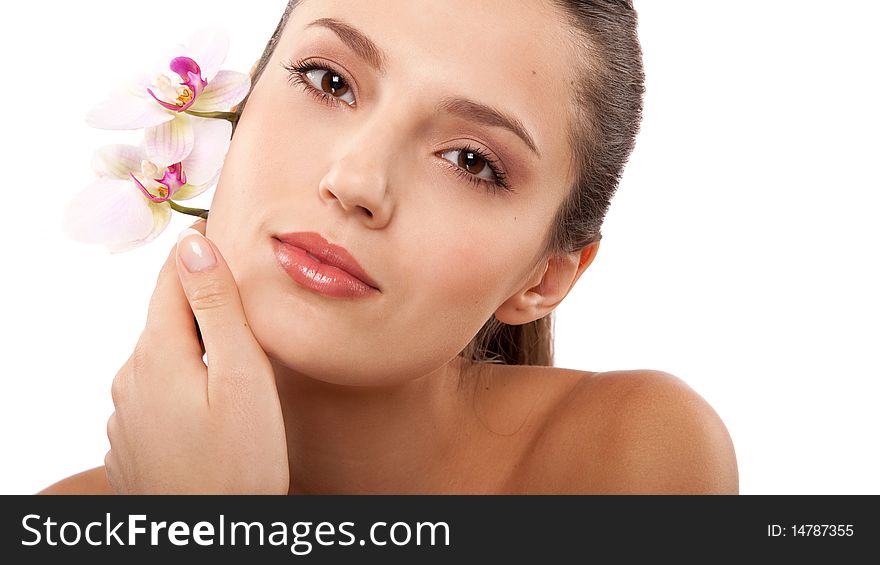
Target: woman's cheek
[[465, 270]]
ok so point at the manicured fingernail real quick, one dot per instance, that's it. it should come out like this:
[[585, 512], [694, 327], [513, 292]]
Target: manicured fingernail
[[195, 252]]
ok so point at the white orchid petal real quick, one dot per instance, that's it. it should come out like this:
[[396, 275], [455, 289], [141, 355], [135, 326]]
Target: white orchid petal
[[208, 48], [212, 139], [117, 161], [162, 62], [161, 213], [167, 90], [226, 90], [109, 211], [188, 191], [170, 142], [139, 83], [122, 112], [149, 169]]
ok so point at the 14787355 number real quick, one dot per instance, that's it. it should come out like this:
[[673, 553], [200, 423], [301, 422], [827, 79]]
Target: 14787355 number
[[818, 530]]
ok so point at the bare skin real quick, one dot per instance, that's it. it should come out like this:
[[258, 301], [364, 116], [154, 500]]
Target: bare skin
[[547, 430], [369, 390]]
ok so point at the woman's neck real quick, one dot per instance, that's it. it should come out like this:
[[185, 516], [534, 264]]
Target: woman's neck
[[391, 439]]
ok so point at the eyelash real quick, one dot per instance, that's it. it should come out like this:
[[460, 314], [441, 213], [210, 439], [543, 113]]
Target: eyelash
[[298, 69]]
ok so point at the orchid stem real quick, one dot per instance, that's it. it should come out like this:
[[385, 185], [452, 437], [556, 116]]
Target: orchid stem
[[190, 211], [229, 116]]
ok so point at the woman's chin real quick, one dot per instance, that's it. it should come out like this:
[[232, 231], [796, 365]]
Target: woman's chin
[[320, 372]]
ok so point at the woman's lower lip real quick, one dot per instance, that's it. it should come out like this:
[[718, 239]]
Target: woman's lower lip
[[324, 279]]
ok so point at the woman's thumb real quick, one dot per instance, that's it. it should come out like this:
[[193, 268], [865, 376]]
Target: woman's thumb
[[214, 298]]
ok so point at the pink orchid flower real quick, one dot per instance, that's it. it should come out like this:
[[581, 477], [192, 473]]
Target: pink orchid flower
[[166, 110], [131, 202]]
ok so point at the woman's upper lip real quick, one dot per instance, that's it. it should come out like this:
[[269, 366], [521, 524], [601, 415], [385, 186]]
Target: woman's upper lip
[[328, 253]]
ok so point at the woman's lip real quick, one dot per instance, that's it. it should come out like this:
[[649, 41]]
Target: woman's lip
[[320, 277], [328, 253]]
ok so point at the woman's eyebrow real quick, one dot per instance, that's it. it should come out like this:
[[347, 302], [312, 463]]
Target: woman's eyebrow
[[486, 115], [363, 46], [366, 49]]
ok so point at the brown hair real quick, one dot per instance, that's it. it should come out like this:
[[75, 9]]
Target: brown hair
[[607, 108]]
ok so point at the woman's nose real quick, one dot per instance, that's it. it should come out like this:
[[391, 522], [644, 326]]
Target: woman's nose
[[358, 183], [357, 190]]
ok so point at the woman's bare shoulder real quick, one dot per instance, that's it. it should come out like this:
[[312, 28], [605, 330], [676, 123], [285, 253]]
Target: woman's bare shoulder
[[639, 431], [92, 481]]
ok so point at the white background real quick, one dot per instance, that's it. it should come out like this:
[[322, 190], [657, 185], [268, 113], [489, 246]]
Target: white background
[[739, 254]]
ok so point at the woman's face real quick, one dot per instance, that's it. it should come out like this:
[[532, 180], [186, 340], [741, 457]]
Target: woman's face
[[382, 167]]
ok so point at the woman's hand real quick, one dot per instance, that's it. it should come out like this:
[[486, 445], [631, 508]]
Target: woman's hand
[[185, 428]]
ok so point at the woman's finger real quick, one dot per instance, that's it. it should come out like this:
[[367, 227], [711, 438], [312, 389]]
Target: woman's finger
[[213, 295], [170, 321]]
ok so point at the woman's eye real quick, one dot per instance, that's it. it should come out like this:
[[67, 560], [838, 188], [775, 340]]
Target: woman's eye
[[476, 164], [325, 83], [331, 83]]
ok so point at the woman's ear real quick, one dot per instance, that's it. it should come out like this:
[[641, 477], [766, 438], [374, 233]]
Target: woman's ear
[[546, 289]]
